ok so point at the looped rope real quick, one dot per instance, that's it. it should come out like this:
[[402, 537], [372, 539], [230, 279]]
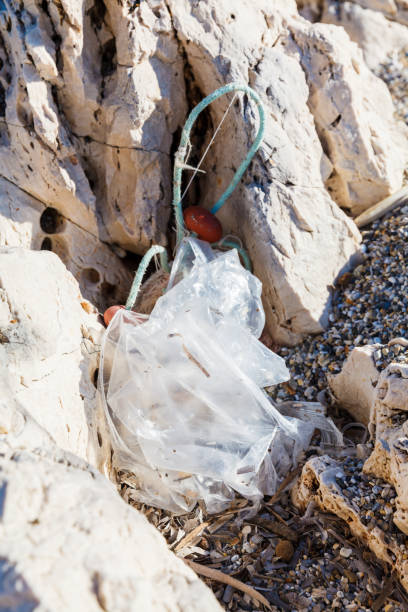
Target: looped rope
[[180, 164], [134, 290], [184, 141]]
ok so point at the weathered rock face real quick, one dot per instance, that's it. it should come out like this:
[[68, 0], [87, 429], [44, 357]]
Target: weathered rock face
[[367, 27], [49, 343], [381, 399], [26, 222], [323, 480], [69, 542], [389, 459], [122, 91], [94, 94], [395, 10], [91, 96], [354, 387], [345, 96], [327, 484]]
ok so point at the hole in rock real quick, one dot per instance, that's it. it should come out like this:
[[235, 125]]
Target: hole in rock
[[91, 275], [95, 381], [108, 59], [97, 14], [46, 245], [108, 290], [51, 221], [61, 248], [2, 101], [99, 439], [336, 121]]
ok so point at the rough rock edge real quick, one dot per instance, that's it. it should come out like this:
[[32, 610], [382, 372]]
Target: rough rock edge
[[96, 547], [318, 485], [388, 461]]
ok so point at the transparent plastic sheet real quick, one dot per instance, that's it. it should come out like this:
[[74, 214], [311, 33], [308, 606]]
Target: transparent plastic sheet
[[183, 390], [313, 416]]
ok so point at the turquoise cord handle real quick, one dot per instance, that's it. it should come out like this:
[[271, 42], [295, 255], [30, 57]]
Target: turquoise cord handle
[[134, 290], [184, 141]]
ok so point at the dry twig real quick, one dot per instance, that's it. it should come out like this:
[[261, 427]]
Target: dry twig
[[214, 574]]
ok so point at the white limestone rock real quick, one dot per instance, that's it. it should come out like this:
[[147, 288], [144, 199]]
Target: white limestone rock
[[354, 388], [396, 10], [323, 483], [49, 346], [36, 151], [122, 91], [69, 542], [389, 426], [281, 209], [367, 28], [91, 95], [321, 478], [26, 222], [367, 148]]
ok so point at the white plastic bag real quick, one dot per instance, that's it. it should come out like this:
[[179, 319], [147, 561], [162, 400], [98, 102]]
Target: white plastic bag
[[183, 390]]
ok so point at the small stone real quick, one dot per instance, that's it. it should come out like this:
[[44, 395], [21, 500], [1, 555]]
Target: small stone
[[346, 552], [284, 550]]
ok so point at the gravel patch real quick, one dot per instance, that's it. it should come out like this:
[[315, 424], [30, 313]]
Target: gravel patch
[[369, 307]]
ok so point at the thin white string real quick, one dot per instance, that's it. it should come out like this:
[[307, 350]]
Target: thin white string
[[208, 147]]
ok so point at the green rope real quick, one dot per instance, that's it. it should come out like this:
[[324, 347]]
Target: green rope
[[231, 244], [184, 142], [154, 250], [179, 165]]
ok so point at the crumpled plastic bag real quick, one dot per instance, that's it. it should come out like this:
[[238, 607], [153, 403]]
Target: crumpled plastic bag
[[183, 391]]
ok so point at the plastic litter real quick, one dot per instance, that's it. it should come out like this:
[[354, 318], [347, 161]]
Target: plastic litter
[[183, 391]]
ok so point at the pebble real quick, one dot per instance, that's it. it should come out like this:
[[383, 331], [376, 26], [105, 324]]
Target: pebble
[[284, 550], [346, 552]]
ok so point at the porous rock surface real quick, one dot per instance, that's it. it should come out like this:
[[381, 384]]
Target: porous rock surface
[[397, 10], [69, 542], [91, 95], [323, 482], [49, 344], [368, 149], [394, 10], [26, 222], [322, 478], [354, 387]]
